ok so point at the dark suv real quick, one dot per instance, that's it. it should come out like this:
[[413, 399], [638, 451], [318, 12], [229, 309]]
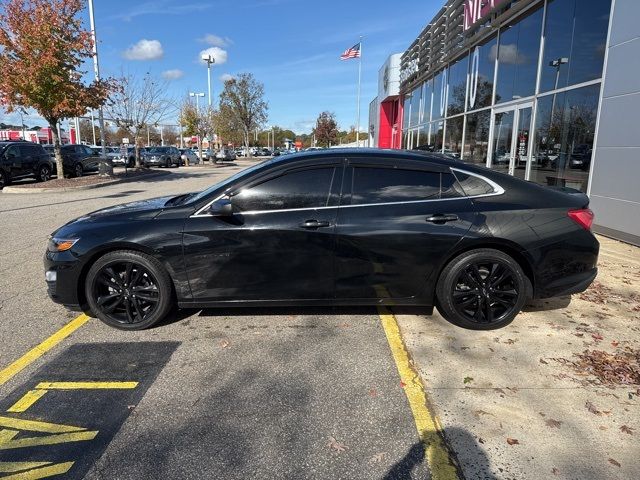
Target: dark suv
[[162, 157], [79, 159], [22, 160]]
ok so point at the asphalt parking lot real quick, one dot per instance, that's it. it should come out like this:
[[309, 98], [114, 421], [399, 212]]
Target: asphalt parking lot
[[287, 393], [302, 392]]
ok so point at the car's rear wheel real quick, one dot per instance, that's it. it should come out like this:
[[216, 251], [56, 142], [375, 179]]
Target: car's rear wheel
[[44, 173], [129, 290], [482, 290], [78, 171]]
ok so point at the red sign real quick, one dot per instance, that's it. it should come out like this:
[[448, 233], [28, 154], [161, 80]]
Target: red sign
[[298, 144], [474, 10]]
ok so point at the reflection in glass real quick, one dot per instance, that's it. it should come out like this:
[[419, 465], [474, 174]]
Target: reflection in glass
[[518, 54], [476, 142], [438, 109], [453, 141], [522, 142], [481, 90], [575, 42], [437, 131], [416, 97], [502, 141], [563, 145], [427, 89], [457, 86], [386, 185], [406, 113]]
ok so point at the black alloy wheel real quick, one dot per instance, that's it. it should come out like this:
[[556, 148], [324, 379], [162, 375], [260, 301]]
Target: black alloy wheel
[[482, 290], [44, 173], [78, 170], [128, 290]]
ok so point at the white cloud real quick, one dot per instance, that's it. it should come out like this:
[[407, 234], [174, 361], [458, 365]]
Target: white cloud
[[144, 50], [226, 77], [509, 54], [215, 40], [172, 74], [217, 53]]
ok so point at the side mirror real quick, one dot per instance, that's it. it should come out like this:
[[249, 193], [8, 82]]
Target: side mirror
[[222, 208]]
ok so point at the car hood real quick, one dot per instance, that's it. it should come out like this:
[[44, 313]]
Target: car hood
[[144, 208]]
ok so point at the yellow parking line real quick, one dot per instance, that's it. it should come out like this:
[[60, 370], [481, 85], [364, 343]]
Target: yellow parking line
[[43, 472], [36, 352], [27, 400], [9, 467], [86, 385], [439, 457]]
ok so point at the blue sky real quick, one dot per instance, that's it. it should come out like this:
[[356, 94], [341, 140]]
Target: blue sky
[[292, 47]]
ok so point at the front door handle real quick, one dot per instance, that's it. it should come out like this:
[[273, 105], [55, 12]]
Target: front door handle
[[313, 224], [440, 219]]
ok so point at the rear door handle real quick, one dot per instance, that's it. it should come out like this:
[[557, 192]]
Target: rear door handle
[[313, 224], [442, 219]]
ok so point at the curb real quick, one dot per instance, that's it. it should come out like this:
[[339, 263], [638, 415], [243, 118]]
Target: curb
[[24, 190]]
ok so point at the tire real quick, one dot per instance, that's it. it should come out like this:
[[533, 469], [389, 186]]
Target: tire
[[129, 290], [44, 173], [168, 164], [5, 180], [78, 171], [482, 289]]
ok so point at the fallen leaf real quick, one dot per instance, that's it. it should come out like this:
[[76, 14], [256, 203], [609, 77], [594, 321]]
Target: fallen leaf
[[479, 413], [613, 462], [592, 408], [378, 457], [555, 471], [464, 348], [551, 423], [373, 392], [597, 337], [542, 414], [480, 440], [402, 384], [542, 361], [224, 344], [467, 380], [336, 445], [603, 427], [626, 429], [510, 341], [513, 441], [615, 343]]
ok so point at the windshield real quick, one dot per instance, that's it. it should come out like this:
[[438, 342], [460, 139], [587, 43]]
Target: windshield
[[158, 150], [199, 196]]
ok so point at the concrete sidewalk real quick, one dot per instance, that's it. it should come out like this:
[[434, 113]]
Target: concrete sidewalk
[[515, 403]]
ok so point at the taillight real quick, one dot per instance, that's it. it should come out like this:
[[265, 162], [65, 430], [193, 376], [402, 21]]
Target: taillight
[[583, 217]]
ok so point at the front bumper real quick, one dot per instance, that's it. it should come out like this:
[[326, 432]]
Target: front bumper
[[154, 161], [62, 276]]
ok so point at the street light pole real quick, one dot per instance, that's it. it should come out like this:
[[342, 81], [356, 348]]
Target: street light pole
[[198, 96], [210, 61], [106, 166]]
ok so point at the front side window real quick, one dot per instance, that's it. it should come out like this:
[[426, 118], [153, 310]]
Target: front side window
[[301, 189], [389, 185]]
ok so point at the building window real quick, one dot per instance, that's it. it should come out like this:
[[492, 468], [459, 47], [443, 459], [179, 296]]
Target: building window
[[423, 136], [565, 129], [457, 86], [575, 42], [518, 54], [436, 137], [453, 140], [439, 108], [427, 89], [406, 113], [416, 97], [476, 139], [482, 65]]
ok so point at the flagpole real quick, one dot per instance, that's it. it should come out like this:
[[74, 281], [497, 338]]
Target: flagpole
[[359, 90]]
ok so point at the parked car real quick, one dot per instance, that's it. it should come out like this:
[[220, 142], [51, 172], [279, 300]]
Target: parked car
[[128, 159], [22, 160], [161, 157], [78, 160], [188, 155], [395, 228], [207, 154], [225, 155]]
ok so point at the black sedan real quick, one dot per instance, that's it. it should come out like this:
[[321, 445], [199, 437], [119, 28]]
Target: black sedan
[[339, 227]]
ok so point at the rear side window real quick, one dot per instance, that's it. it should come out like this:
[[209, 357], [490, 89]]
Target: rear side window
[[387, 185], [301, 189], [474, 186]]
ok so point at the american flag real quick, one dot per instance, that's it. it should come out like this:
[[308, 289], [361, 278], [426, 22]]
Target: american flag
[[353, 52]]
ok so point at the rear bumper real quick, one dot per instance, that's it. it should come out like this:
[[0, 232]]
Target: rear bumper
[[570, 285]]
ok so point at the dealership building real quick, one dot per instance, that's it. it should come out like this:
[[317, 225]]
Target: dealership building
[[545, 90]]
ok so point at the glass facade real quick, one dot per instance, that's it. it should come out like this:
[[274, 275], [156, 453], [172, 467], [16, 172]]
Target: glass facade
[[511, 106]]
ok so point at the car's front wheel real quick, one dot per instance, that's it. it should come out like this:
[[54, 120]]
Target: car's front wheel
[[129, 290], [482, 289], [44, 173], [78, 171], [4, 180]]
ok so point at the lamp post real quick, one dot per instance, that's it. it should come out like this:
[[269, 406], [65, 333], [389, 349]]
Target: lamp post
[[106, 167], [198, 96], [557, 64], [209, 61]]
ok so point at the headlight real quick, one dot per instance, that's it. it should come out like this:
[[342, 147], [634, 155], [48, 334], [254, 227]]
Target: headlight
[[61, 244]]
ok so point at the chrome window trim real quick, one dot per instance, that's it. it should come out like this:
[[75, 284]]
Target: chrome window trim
[[498, 190]]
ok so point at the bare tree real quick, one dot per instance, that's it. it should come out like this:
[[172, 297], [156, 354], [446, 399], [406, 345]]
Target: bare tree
[[200, 123], [140, 104], [242, 105]]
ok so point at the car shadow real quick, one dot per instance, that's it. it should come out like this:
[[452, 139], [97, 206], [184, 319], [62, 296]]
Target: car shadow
[[547, 305]]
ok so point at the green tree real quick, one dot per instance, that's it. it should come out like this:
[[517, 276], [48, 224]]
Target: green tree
[[326, 130], [43, 47]]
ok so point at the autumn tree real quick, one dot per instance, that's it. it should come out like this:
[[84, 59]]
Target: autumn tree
[[43, 46], [138, 105], [198, 123], [242, 106], [326, 130]]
